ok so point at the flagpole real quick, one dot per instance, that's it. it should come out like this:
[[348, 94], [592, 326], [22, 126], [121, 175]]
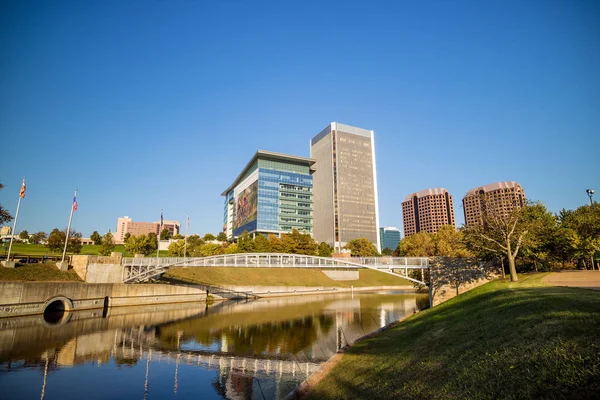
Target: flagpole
[[187, 225], [13, 231], [68, 229], [12, 237]]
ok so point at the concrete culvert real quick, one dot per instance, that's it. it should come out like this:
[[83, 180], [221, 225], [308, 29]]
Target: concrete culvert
[[56, 310]]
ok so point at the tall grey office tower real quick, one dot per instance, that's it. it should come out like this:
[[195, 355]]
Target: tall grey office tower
[[344, 186]]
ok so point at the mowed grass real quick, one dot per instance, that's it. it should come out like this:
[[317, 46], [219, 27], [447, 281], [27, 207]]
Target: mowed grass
[[502, 340], [26, 249], [280, 277], [37, 272]]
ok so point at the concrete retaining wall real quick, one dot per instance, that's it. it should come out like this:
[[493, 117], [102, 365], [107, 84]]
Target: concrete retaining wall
[[274, 291], [98, 269], [341, 275], [30, 298]]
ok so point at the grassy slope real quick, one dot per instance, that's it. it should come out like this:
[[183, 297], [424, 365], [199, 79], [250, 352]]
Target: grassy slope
[[501, 340], [40, 249], [37, 272], [280, 277]]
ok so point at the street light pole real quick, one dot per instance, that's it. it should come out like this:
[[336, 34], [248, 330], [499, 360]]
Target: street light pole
[[590, 193]]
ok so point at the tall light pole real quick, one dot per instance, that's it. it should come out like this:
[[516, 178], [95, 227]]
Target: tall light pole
[[590, 193]]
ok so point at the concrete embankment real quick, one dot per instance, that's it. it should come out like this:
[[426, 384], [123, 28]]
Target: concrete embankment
[[30, 298], [275, 291]]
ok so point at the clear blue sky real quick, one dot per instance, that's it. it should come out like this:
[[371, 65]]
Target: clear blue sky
[[146, 105]]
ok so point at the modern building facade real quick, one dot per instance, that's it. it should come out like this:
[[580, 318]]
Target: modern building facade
[[127, 225], [272, 194], [345, 185], [501, 196], [427, 211], [389, 237]]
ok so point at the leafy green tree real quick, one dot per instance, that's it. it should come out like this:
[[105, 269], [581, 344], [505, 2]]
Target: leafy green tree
[[325, 250], [232, 249], [538, 244], [107, 244], [245, 243], [450, 242], [126, 237], [288, 244], [165, 234], [361, 247], [304, 243], [38, 237], [141, 244], [261, 244], [96, 238], [194, 244], [176, 249], [387, 252], [24, 235], [585, 222], [211, 249], [276, 245], [4, 214], [178, 236], [500, 232], [222, 237], [56, 240], [209, 237], [417, 245]]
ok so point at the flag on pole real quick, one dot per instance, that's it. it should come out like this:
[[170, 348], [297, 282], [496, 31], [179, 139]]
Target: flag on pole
[[23, 188], [75, 201]]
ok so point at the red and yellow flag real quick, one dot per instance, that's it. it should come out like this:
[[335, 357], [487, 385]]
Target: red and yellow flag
[[23, 188]]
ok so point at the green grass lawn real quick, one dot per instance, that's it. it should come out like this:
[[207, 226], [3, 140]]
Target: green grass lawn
[[41, 250], [37, 272], [280, 277], [502, 340]]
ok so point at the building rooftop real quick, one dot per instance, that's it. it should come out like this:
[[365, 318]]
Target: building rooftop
[[493, 186], [426, 192], [270, 155]]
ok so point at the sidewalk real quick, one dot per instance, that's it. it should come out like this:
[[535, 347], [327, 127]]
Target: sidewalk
[[582, 279]]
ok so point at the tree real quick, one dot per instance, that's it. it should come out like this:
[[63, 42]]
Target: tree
[[126, 237], [245, 243], [4, 214], [96, 238], [585, 222], [325, 250], [232, 249], [56, 241], [165, 234], [178, 236], [361, 247], [38, 237], [141, 244], [261, 244], [537, 247], [276, 245], [304, 243], [222, 237], [387, 252], [24, 235], [450, 242], [194, 244], [501, 232], [176, 249], [418, 245], [107, 244], [211, 249], [209, 237]]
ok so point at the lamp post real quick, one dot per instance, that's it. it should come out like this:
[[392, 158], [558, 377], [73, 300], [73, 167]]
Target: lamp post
[[590, 193]]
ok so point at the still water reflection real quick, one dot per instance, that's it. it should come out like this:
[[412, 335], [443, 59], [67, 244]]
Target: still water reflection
[[259, 349]]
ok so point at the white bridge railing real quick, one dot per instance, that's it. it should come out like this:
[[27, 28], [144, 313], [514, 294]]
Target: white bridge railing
[[141, 269]]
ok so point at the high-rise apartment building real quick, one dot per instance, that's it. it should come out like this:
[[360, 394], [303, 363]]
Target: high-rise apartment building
[[503, 197], [389, 237], [272, 194], [127, 225], [345, 185], [427, 211]]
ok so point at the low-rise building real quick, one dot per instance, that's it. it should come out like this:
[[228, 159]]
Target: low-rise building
[[127, 225]]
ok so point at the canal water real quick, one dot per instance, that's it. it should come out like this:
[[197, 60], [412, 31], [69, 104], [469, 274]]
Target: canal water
[[260, 349]]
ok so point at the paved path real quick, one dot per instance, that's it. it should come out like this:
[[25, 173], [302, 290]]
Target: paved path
[[583, 279]]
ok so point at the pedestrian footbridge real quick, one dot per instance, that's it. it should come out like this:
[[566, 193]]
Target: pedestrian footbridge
[[137, 270]]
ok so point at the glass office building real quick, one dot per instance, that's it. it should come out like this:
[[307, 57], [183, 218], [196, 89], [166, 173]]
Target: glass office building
[[273, 194], [389, 237]]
